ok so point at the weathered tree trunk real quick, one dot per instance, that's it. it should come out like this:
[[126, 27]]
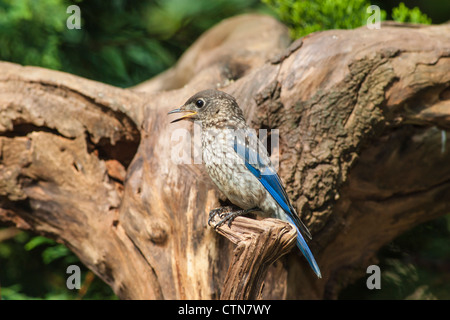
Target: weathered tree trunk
[[361, 115]]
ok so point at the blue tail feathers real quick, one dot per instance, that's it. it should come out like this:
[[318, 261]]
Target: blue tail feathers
[[268, 177], [301, 244]]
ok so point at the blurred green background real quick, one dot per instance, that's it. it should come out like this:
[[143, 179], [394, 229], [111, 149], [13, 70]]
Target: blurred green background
[[124, 43]]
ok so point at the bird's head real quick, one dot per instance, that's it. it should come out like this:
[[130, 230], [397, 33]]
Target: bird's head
[[210, 106]]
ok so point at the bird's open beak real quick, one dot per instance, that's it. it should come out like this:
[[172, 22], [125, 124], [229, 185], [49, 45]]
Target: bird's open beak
[[186, 116]]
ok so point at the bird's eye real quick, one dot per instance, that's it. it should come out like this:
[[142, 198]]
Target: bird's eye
[[199, 103]]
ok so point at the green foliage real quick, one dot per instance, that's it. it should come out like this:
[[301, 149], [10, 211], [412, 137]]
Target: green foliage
[[34, 267], [29, 31], [121, 42], [52, 252], [404, 14], [306, 16]]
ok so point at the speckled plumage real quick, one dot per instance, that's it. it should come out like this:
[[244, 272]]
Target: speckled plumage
[[239, 164], [228, 171]]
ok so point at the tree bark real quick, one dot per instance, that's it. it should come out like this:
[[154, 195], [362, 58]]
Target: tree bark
[[258, 245], [362, 116]]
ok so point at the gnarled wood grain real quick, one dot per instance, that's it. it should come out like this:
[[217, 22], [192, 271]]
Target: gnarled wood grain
[[258, 245]]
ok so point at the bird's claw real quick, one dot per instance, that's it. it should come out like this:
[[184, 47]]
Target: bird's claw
[[218, 211], [227, 214]]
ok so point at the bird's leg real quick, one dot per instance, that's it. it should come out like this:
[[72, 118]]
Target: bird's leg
[[219, 211], [229, 216]]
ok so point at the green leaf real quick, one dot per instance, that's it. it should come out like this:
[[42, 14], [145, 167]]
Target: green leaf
[[53, 253], [403, 14], [37, 241]]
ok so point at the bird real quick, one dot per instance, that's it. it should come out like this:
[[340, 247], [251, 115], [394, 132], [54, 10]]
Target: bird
[[239, 164]]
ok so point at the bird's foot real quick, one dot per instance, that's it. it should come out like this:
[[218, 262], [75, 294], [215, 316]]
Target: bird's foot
[[219, 211], [227, 215]]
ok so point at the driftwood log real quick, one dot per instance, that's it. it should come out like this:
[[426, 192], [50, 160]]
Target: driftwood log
[[362, 117]]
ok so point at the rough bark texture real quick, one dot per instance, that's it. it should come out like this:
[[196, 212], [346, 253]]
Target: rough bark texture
[[361, 113], [258, 245]]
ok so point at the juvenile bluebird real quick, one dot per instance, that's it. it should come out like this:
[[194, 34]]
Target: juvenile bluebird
[[239, 164]]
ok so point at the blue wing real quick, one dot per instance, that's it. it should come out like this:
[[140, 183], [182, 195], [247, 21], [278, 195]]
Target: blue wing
[[247, 145]]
